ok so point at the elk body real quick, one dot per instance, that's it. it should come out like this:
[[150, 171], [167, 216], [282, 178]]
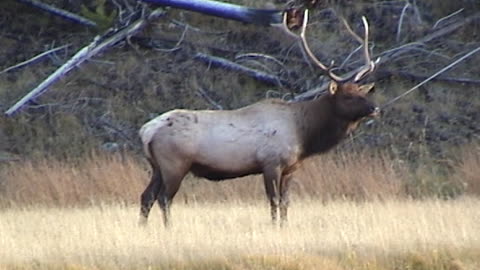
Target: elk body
[[271, 137]]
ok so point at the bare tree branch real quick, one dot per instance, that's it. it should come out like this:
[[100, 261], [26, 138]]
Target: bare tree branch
[[447, 17], [313, 93], [60, 12], [400, 22], [386, 73], [449, 29], [81, 56], [34, 59], [202, 93], [432, 77]]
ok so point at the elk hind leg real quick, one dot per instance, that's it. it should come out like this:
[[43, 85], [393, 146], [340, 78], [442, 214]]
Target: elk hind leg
[[150, 194]]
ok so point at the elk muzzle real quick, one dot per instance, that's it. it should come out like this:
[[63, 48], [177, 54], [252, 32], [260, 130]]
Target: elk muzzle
[[375, 112]]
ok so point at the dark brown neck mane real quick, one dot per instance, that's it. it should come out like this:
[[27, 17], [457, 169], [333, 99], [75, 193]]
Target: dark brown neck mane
[[319, 127]]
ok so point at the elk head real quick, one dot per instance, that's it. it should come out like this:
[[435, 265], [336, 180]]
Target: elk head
[[345, 88], [350, 101]]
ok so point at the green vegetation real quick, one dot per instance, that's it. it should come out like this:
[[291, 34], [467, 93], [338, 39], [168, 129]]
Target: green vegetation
[[100, 16]]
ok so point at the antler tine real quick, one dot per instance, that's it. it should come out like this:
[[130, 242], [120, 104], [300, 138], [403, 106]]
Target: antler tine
[[309, 52], [349, 29], [369, 64], [304, 43]]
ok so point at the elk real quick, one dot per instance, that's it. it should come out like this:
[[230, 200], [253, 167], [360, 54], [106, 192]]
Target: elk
[[271, 137]]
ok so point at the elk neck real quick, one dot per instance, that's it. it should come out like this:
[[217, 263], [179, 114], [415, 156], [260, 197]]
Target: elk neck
[[318, 125]]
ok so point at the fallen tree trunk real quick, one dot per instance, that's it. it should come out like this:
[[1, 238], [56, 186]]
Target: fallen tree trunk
[[256, 74], [225, 10]]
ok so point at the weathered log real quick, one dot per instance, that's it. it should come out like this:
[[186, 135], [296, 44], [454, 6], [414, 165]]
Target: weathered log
[[225, 10], [256, 74]]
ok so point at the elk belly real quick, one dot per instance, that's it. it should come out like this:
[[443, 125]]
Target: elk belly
[[216, 174], [226, 151]]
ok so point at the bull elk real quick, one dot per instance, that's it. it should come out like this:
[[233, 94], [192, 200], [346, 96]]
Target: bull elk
[[271, 137]]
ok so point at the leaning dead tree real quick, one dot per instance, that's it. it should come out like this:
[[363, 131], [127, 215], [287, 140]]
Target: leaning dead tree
[[95, 47]]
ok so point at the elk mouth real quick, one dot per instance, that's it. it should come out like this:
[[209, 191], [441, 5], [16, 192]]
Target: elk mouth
[[375, 112]]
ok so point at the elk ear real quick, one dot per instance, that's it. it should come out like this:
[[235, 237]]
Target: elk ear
[[333, 87], [366, 88]]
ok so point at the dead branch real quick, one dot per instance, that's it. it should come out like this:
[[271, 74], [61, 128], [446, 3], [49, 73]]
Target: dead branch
[[411, 76], [202, 93], [447, 17], [227, 64], [60, 12], [177, 45], [262, 56], [400, 22], [449, 29], [34, 59], [313, 93], [81, 56], [391, 54], [472, 52], [107, 124]]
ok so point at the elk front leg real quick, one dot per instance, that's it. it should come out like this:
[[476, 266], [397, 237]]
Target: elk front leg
[[172, 178], [284, 198], [271, 178]]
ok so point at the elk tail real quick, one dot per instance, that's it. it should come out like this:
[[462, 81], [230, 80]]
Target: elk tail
[[146, 134], [151, 156]]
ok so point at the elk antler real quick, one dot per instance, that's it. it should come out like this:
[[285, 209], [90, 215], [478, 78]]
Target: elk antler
[[369, 64], [359, 73]]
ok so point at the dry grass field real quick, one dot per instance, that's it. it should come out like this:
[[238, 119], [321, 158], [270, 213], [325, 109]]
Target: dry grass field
[[348, 212], [393, 234]]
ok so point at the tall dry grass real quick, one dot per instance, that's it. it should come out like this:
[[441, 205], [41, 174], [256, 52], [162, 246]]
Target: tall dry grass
[[122, 178], [355, 176], [468, 169], [55, 182], [106, 178]]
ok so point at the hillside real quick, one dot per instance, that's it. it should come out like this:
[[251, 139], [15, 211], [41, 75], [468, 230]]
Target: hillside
[[101, 104]]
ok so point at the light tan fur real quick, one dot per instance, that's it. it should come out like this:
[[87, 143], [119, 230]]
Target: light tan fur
[[236, 140]]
